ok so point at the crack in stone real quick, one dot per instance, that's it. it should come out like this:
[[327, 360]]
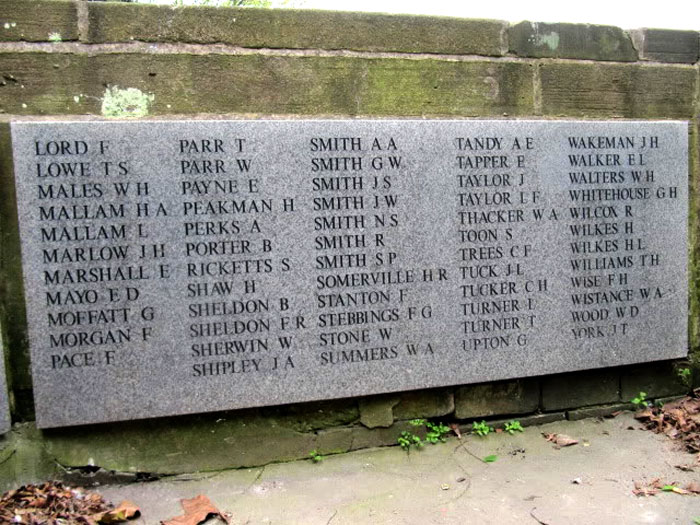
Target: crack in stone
[[333, 516], [257, 478]]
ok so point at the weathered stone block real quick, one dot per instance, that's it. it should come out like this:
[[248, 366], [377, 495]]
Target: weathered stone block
[[334, 440], [183, 445], [290, 29], [617, 90], [665, 45], [23, 458], [579, 389], [425, 404], [601, 411], [42, 83], [380, 437], [307, 417], [490, 399], [656, 379], [377, 411], [35, 21], [583, 41]]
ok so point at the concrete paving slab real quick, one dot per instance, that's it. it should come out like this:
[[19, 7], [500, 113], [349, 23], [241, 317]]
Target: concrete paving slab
[[530, 482]]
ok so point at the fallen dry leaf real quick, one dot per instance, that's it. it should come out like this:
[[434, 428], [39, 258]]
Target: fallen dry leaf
[[197, 510], [650, 488], [653, 487], [693, 487], [123, 512], [560, 440], [685, 468]]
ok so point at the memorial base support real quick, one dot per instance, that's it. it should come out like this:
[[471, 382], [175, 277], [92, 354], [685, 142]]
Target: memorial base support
[[136, 450]]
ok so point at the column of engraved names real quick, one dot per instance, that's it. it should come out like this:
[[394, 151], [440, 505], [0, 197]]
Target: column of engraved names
[[364, 290], [612, 179], [94, 264], [230, 253], [497, 202]]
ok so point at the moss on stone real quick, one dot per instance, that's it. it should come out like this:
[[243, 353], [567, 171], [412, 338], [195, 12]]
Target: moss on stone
[[45, 83], [425, 404], [579, 389], [666, 45], [363, 437], [289, 28], [305, 85], [377, 411], [656, 379], [176, 445], [23, 458], [308, 417], [617, 90], [34, 21], [490, 399]]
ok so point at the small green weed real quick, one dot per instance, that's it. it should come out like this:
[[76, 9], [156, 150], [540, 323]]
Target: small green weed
[[513, 426], [437, 432], [408, 439], [55, 37], [641, 400], [481, 429], [315, 456], [490, 459], [685, 375]]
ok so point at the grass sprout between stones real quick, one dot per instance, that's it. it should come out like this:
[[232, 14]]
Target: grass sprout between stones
[[438, 432], [641, 400], [685, 375], [315, 456], [434, 433], [481, 429], [513, 426]]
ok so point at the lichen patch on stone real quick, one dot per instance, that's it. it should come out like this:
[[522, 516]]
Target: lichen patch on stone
[[129, 102], [551, 40]]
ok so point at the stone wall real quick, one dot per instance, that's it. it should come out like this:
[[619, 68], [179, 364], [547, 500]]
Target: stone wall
[[70, 59]]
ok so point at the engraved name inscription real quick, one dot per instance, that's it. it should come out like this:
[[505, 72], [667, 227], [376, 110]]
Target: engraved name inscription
[[181, 267]]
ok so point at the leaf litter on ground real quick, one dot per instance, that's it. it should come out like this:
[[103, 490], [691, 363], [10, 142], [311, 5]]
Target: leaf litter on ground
[[679, 420], [653, 487], [53, 503]]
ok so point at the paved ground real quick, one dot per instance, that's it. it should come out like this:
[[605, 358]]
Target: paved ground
[[530, 482]]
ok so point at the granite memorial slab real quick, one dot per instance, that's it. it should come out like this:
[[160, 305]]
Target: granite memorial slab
[[176, 267]]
